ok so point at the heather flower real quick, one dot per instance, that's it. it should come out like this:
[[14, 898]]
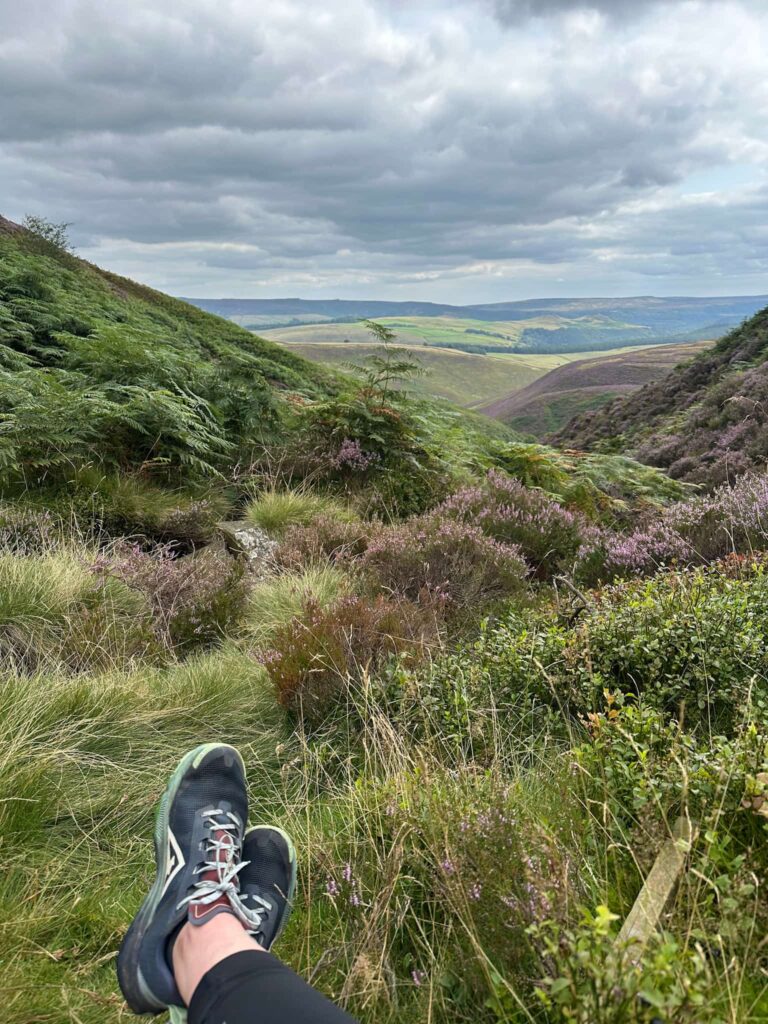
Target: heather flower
[[331, 887], [545, 532], [193, 598], [418, 977], [351, 456], [451, 563], [476, 891]]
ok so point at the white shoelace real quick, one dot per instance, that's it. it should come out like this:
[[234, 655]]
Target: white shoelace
[[221, 860], [222, 853], [253, 917]]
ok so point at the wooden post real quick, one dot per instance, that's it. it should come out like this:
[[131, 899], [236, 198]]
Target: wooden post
[[644, 916]]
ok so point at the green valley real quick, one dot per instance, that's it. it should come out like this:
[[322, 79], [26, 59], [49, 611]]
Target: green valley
[[483, 683]]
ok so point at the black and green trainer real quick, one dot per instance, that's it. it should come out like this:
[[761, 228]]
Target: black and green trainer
[[267, 882], [198, 844]]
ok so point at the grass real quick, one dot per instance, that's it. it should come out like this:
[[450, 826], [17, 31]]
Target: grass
[[276, 600], [276, 510], [52, 605], [392, 845], [466, 378], [444, 817]]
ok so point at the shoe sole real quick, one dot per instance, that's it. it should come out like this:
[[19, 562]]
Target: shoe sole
[[133, 985], [292, 882]]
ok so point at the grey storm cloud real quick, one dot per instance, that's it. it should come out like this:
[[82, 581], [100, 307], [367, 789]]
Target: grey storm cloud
[[517, 10], [356, 145]]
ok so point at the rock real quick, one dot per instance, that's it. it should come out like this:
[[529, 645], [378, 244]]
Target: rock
[[250, 543]]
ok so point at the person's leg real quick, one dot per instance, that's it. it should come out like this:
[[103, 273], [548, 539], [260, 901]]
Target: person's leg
[[226, 977], [219, 901], [197, 950]]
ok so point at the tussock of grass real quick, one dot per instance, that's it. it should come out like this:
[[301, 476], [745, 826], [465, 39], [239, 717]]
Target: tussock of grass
[[53, 608], [275, 510], [277, 599]]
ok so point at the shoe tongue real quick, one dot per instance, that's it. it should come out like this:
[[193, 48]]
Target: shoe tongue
[[199, 913]]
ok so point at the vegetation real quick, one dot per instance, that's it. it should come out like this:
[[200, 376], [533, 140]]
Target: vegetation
[[466, 378], [276, 510], [477, 680], [91, 363], [585, 384], [705, 423]]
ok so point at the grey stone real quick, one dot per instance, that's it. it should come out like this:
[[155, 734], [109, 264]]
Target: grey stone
[[250, 543]]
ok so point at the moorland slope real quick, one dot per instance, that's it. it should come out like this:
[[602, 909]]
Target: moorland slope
[[92, 360], [554, 399], [704, 422]]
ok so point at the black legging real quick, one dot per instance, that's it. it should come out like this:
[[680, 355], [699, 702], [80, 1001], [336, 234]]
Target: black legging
[[256, 988]]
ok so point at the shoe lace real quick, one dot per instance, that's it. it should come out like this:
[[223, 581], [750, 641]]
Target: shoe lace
[[253, 917], [221, 865]]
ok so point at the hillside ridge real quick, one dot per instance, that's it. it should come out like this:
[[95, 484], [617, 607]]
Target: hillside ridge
[[551, 401], [704, 422]]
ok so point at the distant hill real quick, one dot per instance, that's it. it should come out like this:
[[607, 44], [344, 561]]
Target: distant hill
[[551, 401], [543, 334], [461, 377], [704, 422], [568, 324]]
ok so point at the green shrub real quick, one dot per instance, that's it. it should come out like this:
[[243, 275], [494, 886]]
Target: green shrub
[[591, 981], [320, 655], [99, 370], [693, 642], [276, 511], [596, 484], [694, 639]]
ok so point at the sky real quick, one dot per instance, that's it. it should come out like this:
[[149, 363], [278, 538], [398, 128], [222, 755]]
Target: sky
[[448, 150]]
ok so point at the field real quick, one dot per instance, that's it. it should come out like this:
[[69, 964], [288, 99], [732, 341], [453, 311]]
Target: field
[[545, 333], [466, 378], [554, 398]]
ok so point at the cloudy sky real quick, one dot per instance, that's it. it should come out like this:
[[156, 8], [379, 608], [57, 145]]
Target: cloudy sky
[[454, 150]]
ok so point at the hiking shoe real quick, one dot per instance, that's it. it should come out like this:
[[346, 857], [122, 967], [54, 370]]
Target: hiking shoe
[[198, 842], [267, 883]]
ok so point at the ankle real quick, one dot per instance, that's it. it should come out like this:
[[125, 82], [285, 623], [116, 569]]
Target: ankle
[[199, 947]]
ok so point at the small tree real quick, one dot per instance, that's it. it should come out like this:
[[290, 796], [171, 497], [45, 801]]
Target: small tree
[[55, 235], [388, 366]]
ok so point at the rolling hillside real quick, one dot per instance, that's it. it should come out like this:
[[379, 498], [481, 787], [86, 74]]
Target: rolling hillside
[[705, 422], [672, 318], [92, 362], [551, 401], [539, 335], [469, 379], [460, 377]]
